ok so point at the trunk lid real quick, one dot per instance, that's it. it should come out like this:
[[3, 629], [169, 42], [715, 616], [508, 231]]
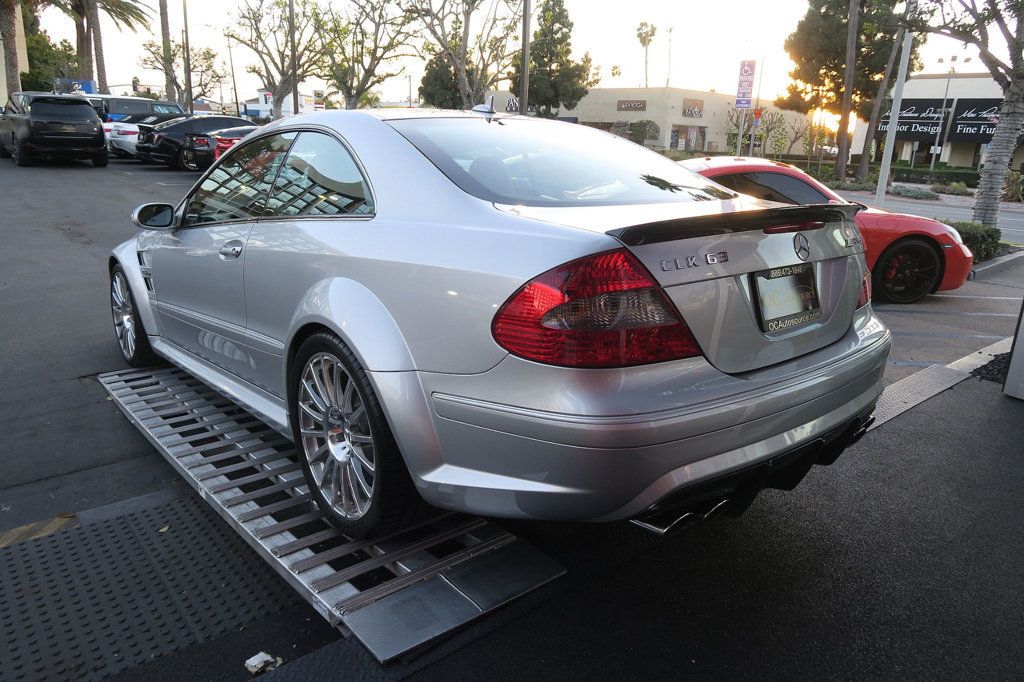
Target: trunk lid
[[758, 283]]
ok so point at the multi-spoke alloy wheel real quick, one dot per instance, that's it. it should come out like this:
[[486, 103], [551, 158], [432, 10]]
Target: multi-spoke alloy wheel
[[124, 314], [336, 436], [907, 271]]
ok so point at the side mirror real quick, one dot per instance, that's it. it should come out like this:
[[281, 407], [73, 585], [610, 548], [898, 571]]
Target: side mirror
[[154, 217]]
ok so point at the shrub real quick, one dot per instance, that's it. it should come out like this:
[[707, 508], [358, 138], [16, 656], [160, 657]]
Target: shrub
[[854, 186], [921, 176], [913, 193], [982, 240], [1014, 188], [957, 188]]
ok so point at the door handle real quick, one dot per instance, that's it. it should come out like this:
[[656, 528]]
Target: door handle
[[231, 250]]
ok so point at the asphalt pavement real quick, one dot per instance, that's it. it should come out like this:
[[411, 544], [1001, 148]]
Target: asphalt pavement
[[903, 559]]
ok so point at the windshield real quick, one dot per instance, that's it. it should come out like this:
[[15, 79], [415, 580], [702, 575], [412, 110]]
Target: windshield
[[547, 163], [67, 109]]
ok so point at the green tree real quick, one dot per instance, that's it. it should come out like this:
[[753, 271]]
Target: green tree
[[47, 61], [643, 130], [555, 79], [130, 14], [439, 87], [645, 34], [818, 48]]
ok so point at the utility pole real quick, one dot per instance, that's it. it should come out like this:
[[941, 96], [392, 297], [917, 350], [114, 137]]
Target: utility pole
[[524, 63], [942, 118], [668, 74], [739, 133], [894, 113], [408, 77], [234, 83], [188, 58], [295, 68]]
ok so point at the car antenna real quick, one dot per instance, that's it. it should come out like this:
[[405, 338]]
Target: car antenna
[[487, 108]]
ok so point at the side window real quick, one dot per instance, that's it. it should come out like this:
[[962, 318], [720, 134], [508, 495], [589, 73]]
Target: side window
[[129, 106], [237, 188], [727, 181], [779, 187], [319, 178]]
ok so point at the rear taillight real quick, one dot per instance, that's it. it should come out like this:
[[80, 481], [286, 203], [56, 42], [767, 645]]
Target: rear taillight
[[599, 311], [201, 142], [127, 132], [865, 291]]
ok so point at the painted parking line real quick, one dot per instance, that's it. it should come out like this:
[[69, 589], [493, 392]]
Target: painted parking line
[[990, 298], [911, 311]]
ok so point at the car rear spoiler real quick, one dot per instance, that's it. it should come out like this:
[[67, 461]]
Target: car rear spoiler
[[783, 219]]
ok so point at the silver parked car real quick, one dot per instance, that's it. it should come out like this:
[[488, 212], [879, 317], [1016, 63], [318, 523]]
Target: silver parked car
[[507, 316]]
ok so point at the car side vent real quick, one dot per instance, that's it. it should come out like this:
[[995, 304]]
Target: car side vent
[[145, 269]]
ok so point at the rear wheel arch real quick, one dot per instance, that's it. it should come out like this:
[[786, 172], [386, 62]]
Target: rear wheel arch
[[915, 236]]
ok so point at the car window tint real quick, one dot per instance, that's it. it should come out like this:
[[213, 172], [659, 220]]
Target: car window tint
[[129, 106], [727, 181], [319, 178], [161, 108], [237, 188], [779, 187], [63, 109], [543, 163]]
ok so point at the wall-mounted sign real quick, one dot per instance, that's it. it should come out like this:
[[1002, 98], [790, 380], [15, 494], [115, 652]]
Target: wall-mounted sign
[[693, 108], [512, 105], [919, 119], [974, 120], [631, 105]]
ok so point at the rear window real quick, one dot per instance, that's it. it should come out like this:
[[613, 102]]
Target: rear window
[[67, 109], [129, 106], [546, 163], [166, 108], [173, 122]]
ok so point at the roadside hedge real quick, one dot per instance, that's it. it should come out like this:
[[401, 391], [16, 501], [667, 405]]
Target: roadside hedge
[[982, 240], [941, 176]]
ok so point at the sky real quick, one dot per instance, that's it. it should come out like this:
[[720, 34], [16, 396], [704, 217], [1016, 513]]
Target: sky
[[708, 41]]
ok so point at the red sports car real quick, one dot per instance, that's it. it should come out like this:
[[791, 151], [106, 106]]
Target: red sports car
[[909, 256]]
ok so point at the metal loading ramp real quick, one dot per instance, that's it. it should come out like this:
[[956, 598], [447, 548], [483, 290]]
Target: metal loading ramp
[[394, 593]]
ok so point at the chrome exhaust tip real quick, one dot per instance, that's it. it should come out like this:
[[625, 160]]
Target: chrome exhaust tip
[[664, 522]]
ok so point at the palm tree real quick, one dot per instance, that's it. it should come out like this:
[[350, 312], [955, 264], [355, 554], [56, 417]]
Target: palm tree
[[165, 42], [8, 32], [645, 34], [130, 14]]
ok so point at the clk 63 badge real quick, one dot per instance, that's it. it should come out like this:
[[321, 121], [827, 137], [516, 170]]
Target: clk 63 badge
[[694, 261]]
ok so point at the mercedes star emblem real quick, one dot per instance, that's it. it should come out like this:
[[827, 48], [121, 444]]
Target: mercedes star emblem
[[801, 246]]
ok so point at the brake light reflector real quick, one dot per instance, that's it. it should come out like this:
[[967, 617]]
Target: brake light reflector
[[865, 291], [600, 311]]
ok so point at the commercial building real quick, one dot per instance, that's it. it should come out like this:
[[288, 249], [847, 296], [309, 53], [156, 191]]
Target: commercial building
[[262, 106], [963, 124], [692, 120], [22, 52]]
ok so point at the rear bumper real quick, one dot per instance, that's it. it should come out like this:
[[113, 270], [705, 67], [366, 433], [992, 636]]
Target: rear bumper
[[503, 460], [65, 150], [959, 261]]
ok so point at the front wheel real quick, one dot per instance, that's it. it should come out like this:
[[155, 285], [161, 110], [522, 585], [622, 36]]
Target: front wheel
[[20, 156], [352, 464], [101, 159], [131, 335], [907, 271]]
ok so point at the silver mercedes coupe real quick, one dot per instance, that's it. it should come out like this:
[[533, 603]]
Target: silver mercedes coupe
[[507, 316]]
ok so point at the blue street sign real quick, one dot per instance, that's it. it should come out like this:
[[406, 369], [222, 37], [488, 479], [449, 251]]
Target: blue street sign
[[745, 88]]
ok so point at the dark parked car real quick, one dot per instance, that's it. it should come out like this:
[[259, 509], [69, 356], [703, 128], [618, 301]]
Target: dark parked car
[[204, 148], [38, 124], [165, 143]]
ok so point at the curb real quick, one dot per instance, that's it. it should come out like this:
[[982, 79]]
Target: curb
[[997, 262]]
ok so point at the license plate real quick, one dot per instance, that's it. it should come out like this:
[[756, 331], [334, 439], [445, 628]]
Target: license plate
[[787, 297]]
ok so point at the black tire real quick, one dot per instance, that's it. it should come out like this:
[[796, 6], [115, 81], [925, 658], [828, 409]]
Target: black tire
[[20, 156], [4, 154], [186, 161], [907, 271], [140, 353], [394, 502], [101, 159]]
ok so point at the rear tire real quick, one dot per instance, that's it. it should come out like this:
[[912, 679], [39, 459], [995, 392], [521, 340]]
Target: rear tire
[[4, 154], [907, 271], [128, 328], [186, 161], [353, 467], [101, 160]]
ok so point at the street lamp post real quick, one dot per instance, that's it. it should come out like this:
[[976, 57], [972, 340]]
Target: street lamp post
[[524, 63], [939, 141], [234, 83]]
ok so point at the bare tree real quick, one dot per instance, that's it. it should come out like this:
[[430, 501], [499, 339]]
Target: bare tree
[[772, 123], [262, 26], [852, 26], [359, 44], [797, 129], [477, 45], [645, 34], [970, 21], [876, 108], [206, 75]]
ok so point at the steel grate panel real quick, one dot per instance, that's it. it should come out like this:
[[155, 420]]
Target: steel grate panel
[[915, 389], [377, 588]]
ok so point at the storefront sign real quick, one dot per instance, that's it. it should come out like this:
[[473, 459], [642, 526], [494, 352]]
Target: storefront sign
[[919, 120], [974, 120], [631, 105], [693, 108]]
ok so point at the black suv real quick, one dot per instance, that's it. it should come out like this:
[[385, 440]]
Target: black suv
[[38, 124]]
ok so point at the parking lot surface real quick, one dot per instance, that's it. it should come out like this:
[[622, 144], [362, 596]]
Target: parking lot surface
[[902, 559]]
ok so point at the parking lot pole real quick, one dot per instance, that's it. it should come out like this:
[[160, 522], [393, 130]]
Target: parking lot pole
[[894, 112], [234, 84], [188, 57], [524, 63], [739, 132]]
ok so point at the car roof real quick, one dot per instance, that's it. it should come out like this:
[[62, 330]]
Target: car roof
[[36, 94]]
